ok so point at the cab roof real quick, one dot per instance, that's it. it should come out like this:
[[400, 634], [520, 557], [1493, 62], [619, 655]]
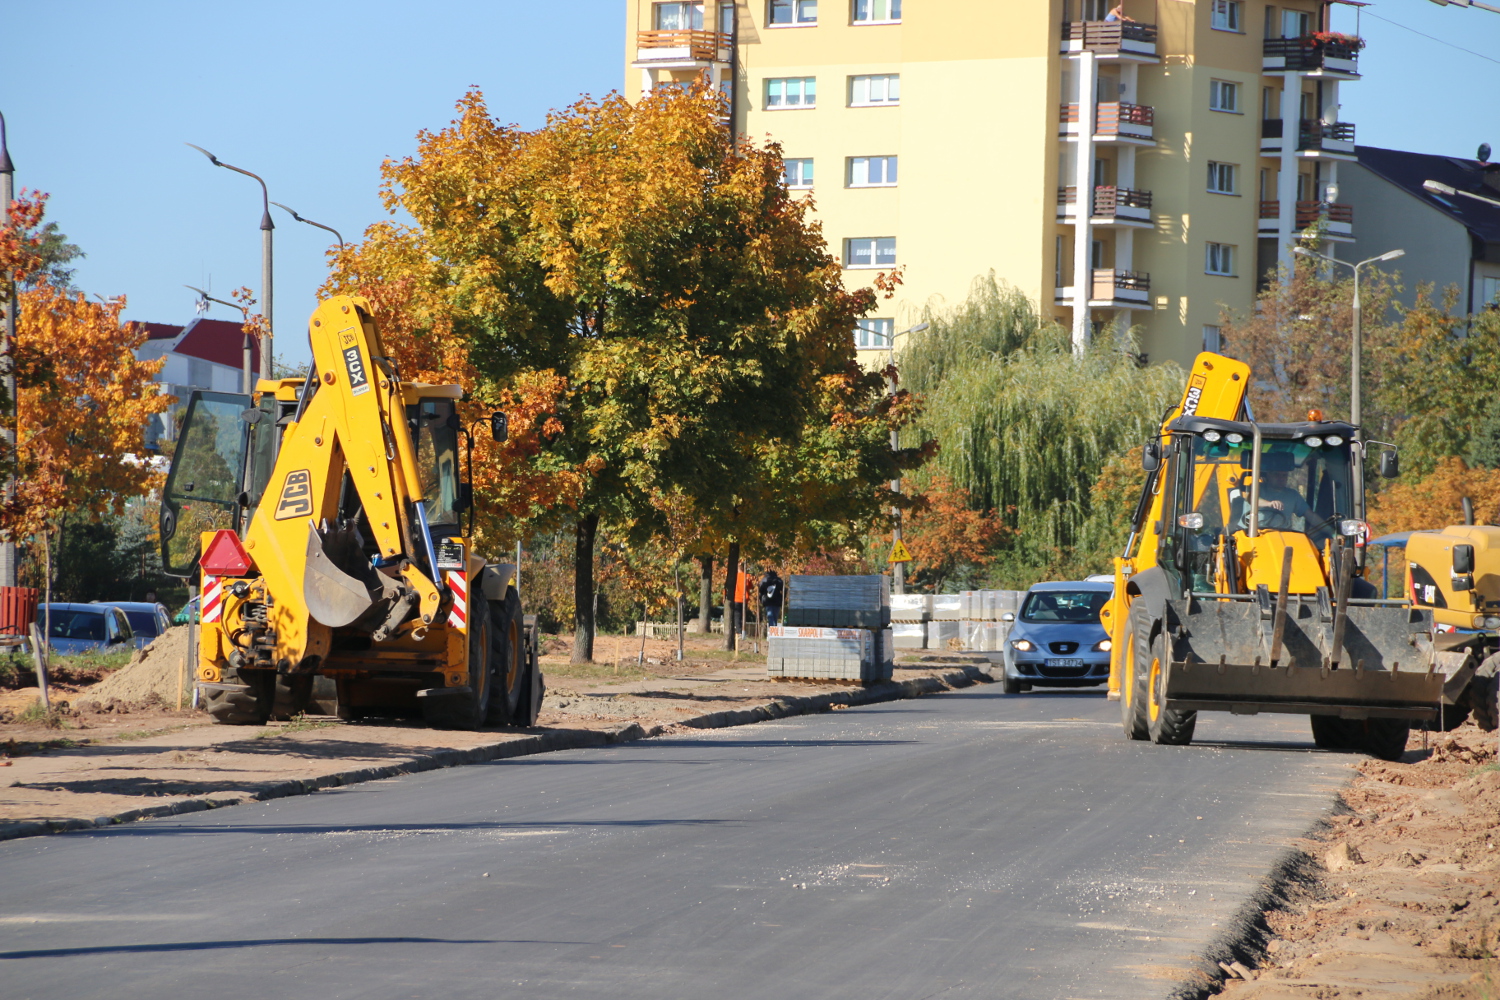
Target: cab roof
[[1274, 432]]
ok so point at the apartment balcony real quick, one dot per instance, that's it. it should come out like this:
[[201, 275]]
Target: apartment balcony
[[1330, 56], [1114, 122], [683, 49], [1336, 220], [1114, 41], [1315, 139], [1113, 290], [1113, 206]]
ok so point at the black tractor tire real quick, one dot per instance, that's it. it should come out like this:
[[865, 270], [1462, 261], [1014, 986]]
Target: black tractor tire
[[1133, 694], [250, 707], [1010, 685], [1169, 726], [1383, 738], [533, 685], [1329, 732], [508, 657], [1484, 701], [467, 710], [293, 696]]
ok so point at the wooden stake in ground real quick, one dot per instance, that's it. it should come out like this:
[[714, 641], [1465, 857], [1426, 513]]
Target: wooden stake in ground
[[39, 654], [640, 659], [181, 669]]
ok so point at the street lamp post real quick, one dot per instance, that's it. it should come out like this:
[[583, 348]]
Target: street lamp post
[[247, 379], [900, 571], [266, 228], [310, 222], [7, 346], [1356, 414]]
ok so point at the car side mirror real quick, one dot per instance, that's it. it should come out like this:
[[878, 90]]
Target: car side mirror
[[499, 426], [1151, 456], [1007, 617], [1390, 465]]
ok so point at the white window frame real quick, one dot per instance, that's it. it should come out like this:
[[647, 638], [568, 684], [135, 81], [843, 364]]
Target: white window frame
[[693, 10], [1489, 290], [1218, 172], [857, 175], [873, 245], [1216, 91], [798, 173], [871, 7], [1228, 15], [1219, 260], [890, 85], [807, 92], [874, 333], [799, 9]]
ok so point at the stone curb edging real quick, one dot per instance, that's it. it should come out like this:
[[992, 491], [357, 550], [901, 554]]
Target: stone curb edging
[[564, 739]]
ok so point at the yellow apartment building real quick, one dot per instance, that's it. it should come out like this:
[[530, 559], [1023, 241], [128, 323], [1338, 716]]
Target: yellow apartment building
[[952, 137]]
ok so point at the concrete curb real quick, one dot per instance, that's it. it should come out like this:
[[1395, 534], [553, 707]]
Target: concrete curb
[[547, 742]]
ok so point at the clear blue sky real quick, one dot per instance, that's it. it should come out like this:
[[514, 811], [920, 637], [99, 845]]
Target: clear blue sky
[[100, 97]]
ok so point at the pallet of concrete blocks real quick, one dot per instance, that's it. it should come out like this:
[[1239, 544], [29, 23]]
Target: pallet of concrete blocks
[[909, 635], [839, 601], [947, 607], [844, 654], [971, 636], [911, 607], [942, 634], [993, 638]]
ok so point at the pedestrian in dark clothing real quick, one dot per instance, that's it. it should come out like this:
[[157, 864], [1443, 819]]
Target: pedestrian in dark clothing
[[772, 591]]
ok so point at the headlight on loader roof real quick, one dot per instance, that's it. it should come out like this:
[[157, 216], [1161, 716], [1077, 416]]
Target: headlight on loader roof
[[1487, 621]]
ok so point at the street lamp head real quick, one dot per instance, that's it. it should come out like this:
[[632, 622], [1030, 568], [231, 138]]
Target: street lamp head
[[211, 157], [1391, 255], [1435, 187], [288, 211]]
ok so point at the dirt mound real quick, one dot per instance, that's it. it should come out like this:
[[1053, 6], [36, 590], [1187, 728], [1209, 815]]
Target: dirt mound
[[150, 677]]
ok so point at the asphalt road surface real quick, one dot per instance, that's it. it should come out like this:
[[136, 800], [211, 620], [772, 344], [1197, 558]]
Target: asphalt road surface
[[964, 845]]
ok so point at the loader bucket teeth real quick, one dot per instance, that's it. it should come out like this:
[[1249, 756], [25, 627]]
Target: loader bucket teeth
[[333, 597]]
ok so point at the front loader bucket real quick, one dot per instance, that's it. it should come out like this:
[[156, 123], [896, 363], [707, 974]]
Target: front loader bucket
[[1384, 667], [333, 597]]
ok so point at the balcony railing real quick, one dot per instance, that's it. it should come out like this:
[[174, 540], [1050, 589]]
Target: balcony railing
[[1313, 133], [1311, 54], [1116, 118], [1311, 212], [702, 45], [1112, 284], [1108, 200], [1110, 36]]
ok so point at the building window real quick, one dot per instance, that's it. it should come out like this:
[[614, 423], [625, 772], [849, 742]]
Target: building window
[[1096, 255], [873, 333], [869, 91], [1220, 260], [1223, 178], [1490, 293], [797, 173], [678, 17], [1226, 16], [1223, 96], [870, 251], [1295, 23], [1213, 339], [793, 12], [1057, 263], [791, 92], [872, 171], [877, 11]]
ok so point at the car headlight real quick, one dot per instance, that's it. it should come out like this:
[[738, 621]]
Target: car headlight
[[1103, 646], [1022, 645]]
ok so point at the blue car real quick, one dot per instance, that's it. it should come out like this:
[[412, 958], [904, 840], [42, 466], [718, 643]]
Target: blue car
[[80, 628], [147, 619], [1057, 639]]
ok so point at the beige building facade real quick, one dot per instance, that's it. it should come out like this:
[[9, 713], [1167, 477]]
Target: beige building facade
[[951, 138]]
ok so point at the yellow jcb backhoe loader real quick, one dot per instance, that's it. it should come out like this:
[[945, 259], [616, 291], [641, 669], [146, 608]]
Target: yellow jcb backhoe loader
[[325, 518], [1239, 590]]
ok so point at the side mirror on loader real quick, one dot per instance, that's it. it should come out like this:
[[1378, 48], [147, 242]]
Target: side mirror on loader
[[1151, 456], [1390, 465], [1463, 567], [499, 426]]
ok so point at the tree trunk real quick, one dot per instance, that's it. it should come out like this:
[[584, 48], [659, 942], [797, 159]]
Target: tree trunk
[[583, 589], [706, 594], [733, 569]]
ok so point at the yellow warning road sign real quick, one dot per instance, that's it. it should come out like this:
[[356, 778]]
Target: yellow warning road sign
[[900, 553]]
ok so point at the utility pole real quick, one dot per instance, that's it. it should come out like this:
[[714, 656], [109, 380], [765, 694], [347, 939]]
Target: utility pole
[[899, 578], [7, 362]]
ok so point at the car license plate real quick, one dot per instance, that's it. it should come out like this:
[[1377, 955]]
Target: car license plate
[[1065, 663]]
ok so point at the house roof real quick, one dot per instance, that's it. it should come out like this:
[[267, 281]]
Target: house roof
[[218, 340], [161, 331], [1408, 170]]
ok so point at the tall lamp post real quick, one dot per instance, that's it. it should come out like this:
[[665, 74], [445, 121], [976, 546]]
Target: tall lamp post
[[1356, 413], [7, 346], [900, 572], [266, 227], [247, 381], [310, 222]]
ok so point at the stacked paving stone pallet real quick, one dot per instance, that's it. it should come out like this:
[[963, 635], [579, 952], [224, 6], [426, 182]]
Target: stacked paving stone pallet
[[837, 628], [971, 620]]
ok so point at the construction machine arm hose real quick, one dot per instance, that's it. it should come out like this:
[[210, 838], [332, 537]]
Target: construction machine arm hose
[[1141, 507]]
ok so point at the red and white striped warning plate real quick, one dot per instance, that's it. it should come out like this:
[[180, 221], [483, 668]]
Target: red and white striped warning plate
[[459, 616], [213, 593]]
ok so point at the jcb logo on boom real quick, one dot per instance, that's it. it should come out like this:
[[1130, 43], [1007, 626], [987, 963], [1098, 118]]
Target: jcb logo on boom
[[1193, 398], [296, 496]]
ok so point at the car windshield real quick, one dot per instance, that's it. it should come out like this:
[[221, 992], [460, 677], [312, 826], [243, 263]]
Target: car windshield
[[143, 623], [1078, 607], [76, 625]]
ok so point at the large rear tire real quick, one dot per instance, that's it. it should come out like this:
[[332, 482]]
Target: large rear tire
[[466, 709], [1484, 695], [1384, 738], [1329, 732], [1133, 696], [508, 652], [1168, 726], [250, 706], [533, 685]]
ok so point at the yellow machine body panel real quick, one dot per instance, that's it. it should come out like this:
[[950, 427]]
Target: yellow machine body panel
[[1261, 559], [1429, 559]]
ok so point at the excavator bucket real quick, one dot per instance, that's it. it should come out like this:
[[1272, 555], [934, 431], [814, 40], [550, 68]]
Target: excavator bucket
[[1308, 657], [334, 597]]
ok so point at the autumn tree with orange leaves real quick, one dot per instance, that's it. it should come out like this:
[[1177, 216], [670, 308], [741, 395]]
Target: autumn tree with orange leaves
[[638, 285]]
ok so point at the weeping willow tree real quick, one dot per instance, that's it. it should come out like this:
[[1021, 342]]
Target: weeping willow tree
[[1028, 427]]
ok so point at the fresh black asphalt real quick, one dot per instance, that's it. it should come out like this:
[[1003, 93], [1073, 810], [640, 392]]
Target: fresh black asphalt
[[964, 845]]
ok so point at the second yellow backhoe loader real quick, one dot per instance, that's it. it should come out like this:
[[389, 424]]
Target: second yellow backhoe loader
[[1239, 589], [325, 518]]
